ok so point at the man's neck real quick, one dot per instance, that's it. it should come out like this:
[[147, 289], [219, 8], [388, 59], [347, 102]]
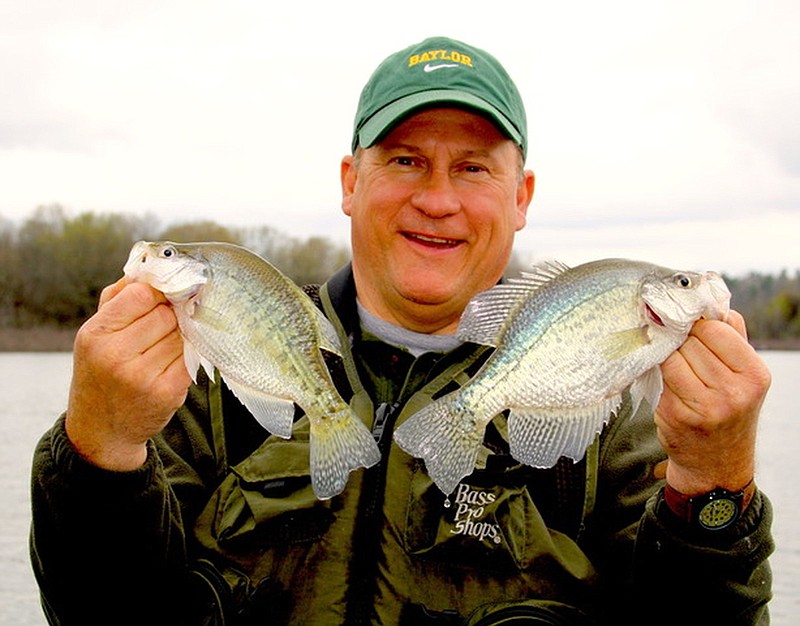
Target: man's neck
[[415, 342]]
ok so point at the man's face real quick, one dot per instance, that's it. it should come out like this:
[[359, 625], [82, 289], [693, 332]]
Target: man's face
[[434, 207]]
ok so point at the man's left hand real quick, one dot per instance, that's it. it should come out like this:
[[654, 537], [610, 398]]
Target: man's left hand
[[714, 386]]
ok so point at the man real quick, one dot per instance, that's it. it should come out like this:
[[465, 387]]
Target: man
[[145, 515]]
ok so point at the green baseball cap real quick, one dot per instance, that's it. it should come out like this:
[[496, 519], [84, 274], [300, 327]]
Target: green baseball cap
[[442, 71]]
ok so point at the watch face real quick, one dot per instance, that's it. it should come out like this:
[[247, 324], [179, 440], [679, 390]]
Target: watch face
[[718, 514]]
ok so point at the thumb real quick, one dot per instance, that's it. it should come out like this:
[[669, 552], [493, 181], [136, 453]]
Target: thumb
[[111, 291]]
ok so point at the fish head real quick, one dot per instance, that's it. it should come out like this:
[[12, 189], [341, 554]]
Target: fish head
[[169, 267], [676, 300]]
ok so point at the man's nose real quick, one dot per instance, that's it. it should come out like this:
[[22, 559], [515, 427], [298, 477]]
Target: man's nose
[[437, 196]]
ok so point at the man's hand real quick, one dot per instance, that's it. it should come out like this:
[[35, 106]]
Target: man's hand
[[707, 419], [128, 376]]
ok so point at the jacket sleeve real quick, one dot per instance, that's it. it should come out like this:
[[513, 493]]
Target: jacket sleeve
[[719, 577], [109, 547], [662, 567]]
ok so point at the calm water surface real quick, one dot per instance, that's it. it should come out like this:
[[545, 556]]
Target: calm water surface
[[35, 391]]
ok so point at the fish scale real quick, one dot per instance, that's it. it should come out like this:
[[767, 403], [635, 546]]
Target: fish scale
[[241, 316], [568, 343]]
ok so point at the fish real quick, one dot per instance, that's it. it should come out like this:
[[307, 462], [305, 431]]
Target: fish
[[239, 314], [568, 342]]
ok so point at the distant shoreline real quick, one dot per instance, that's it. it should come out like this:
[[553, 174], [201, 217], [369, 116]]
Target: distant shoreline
[[776, 344], [37, 339], [54, 339]]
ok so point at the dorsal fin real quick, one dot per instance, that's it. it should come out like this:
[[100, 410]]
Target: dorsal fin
[[485, 319], [540, 273]]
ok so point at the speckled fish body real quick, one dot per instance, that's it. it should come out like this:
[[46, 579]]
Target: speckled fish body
[[568, 343], [240, 315]]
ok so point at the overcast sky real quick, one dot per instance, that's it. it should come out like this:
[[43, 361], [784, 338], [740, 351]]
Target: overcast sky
[[663, 131]]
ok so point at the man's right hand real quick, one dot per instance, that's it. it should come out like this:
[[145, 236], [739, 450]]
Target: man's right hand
[[128, 376]]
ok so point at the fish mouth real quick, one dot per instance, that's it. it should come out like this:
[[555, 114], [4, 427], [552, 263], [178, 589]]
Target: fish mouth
[[435, 242], [720, 297], [137, 256], [652, 315]]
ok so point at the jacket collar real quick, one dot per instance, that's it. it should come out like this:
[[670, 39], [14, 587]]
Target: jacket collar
[[342, 292]]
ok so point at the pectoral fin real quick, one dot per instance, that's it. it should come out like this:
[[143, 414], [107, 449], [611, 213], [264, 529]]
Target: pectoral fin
[[622, 343]]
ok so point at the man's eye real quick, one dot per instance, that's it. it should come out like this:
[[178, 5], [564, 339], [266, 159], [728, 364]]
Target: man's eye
[[473, 168], [404, 160]]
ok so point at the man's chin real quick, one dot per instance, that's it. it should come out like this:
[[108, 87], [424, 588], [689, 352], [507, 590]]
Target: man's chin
[[429, 293]]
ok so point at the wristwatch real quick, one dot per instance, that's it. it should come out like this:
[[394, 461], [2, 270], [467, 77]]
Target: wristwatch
[[714, 510]]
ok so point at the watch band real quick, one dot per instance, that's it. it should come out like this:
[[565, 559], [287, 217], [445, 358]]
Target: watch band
[[712, 510]]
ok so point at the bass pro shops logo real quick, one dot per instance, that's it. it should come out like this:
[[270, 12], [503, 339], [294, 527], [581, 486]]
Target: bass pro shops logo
[[470, 514]]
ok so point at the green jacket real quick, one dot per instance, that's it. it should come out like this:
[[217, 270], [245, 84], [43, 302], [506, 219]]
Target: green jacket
[[221, 525]]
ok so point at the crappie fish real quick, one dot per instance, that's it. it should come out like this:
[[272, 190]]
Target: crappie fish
[[568, 343], [238, 313]]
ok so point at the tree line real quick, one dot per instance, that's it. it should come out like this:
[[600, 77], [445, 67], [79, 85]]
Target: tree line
[[53, 267], [770, 304]]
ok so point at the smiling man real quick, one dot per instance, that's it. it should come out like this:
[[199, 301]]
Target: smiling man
[[435, 205], [161, 502], [436, 187]]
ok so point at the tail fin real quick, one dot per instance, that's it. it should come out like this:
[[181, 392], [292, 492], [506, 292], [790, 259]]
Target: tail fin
[[339, 444], [447, 436]]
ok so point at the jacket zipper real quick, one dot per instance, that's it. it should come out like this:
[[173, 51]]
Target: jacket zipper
[[363, 574]]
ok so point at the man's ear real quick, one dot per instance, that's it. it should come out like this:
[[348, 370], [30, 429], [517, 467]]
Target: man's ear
[[348, 173], [524, 197]]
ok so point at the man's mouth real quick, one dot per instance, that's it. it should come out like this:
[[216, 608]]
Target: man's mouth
[[432, 241]]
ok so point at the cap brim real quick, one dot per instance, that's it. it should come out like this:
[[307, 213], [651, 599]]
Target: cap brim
[[389, 116]]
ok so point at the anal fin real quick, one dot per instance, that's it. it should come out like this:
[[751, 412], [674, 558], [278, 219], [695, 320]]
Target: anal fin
[[539, 437], [273, 413]]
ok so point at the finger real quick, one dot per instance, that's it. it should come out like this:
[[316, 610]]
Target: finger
[[176, 371], [111, 291], [700, 365], [171, 378], [127, 305], [736, 320], [683, 390], [151, 329], [165, 350], [724, 341]]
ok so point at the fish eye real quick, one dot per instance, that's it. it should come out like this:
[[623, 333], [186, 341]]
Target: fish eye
[[168, 252], [683, 280]]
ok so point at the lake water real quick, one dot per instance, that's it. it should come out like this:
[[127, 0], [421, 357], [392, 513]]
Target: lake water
[[34, 392]]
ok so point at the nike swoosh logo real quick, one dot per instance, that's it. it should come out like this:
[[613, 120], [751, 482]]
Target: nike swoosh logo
[[431, 68]]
